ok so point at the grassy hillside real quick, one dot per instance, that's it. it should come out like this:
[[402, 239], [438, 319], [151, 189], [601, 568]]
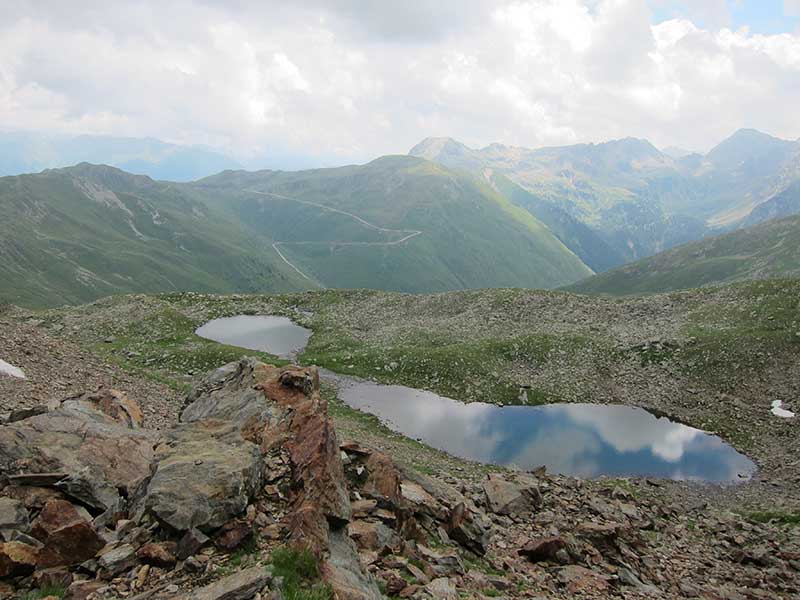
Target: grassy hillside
[[76, 234], [589, 245], [770, 249], [630, 199], [397, 223]]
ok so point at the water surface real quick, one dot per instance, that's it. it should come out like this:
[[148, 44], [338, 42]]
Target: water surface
[[585, 440], [276, 335]]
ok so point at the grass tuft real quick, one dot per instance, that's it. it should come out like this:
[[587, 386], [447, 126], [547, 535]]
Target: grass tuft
[[300, 572]]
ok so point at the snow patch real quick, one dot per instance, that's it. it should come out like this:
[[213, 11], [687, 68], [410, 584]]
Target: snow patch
[[779, 411], [11, 370]]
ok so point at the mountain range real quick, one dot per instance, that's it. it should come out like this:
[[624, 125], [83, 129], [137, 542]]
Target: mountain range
[[444, 217], [398, 223], [635, 198]]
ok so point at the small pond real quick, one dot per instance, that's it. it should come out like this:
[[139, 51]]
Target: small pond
[[586, 440], [276, 335]]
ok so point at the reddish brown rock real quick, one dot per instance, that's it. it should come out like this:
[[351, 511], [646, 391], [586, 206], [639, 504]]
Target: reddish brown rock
[[579, 579], [160, 555], [67, 537], [543, 548], [318, 492], [313, 451], [80, 590], [50, 578], [233, 534], [382, 478], [17, 558], [394, 583]]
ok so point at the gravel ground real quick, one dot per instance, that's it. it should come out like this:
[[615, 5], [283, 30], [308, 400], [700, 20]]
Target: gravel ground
[[56, 369]]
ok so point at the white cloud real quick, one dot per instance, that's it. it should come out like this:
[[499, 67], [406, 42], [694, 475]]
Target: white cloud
[[350, 80]]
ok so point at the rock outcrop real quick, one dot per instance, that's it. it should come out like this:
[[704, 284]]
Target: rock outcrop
[[86, 486], [93, 502]]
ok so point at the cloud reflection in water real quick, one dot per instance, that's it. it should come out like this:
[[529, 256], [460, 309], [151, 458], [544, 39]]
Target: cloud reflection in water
[[573, 439]]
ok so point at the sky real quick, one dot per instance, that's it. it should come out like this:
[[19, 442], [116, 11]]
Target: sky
[[331, 82]]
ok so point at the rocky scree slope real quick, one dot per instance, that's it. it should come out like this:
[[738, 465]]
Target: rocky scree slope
[[97, 507], [715, 359]]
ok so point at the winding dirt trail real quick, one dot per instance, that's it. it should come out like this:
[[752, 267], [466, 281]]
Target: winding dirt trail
[[409, 233]]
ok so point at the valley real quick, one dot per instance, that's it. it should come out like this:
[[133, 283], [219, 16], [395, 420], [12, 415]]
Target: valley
[[629, 198]]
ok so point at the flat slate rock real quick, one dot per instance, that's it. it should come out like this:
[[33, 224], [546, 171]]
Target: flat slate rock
[[239, 586]]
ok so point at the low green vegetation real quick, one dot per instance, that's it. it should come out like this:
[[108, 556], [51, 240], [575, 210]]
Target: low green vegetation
[[73, 235], [299, 569], [163, 346], [770, 249], [76, 234], [785, 518], [56, 591]]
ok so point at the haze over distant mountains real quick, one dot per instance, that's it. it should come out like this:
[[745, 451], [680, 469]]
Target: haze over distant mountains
[[23, 152]]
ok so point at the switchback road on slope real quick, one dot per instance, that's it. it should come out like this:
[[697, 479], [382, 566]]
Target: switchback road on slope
[[409, 233]]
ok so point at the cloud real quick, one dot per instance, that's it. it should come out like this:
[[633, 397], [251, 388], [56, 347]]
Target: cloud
[[352, 79]]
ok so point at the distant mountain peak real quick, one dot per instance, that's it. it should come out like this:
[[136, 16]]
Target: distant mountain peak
[[432, 147], [749, 144]]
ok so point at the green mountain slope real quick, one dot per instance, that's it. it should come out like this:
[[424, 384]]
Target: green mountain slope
[[589, 245], [766, 250], [635, 199], [76, 234], [397, 223]]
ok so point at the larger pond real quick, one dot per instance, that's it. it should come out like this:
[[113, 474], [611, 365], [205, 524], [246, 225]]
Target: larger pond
[[585, 440]]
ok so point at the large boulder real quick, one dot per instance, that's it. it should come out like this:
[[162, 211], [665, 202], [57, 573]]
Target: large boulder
[[516, 495], [206, 474], [79, 440]]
